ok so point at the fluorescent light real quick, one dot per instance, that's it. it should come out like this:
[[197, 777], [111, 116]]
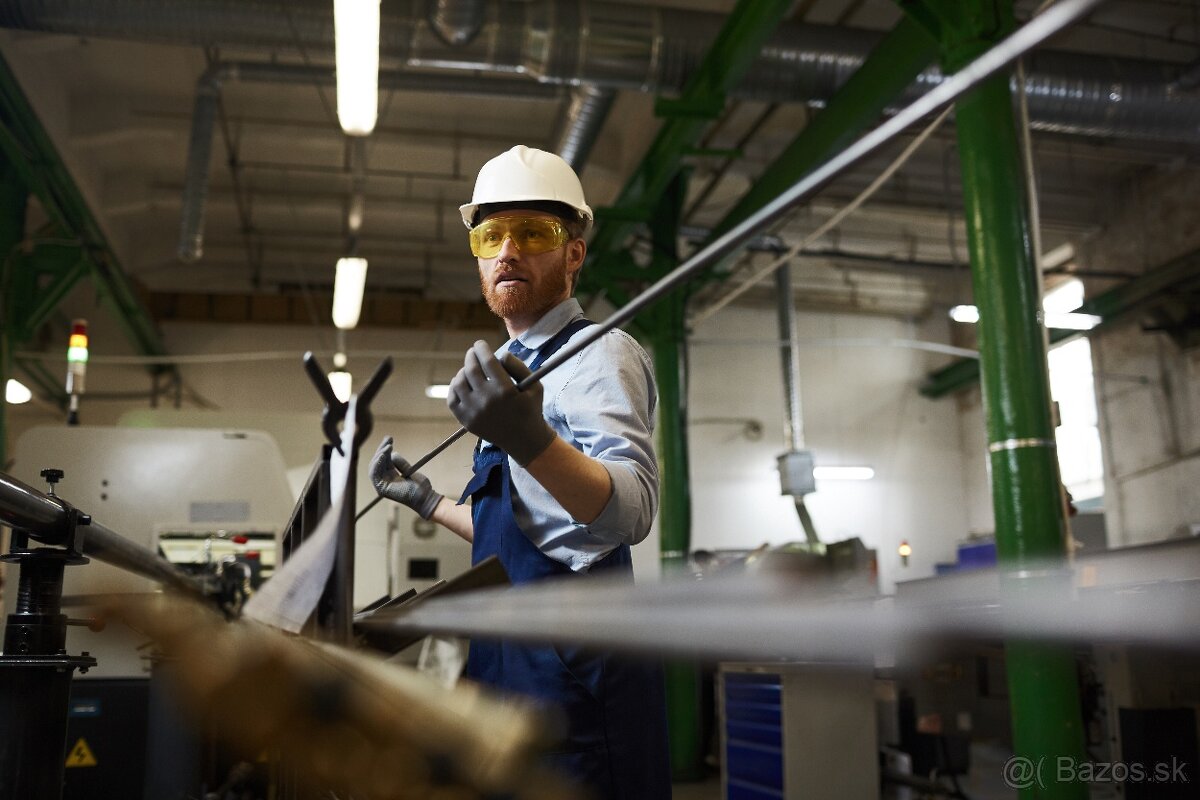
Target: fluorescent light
[[843, 473], [342, 384], [356, 43], [1064, 320], [964, 314], [348, 291], [16, 392], [438, 391], [1072, 322]]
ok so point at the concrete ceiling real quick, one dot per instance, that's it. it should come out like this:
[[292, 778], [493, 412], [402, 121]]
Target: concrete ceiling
[[120, 113]]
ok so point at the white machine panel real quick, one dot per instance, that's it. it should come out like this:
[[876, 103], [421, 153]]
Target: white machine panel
[[138, 482]]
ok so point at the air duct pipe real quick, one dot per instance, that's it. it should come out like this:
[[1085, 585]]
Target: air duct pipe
[[624, 46], [457, 22], [585, 117]]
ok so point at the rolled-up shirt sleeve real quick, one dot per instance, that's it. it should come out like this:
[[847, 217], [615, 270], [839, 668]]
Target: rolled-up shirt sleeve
[[608, 406]]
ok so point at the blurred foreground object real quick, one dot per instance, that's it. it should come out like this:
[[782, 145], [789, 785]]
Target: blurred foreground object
[[341, 719]]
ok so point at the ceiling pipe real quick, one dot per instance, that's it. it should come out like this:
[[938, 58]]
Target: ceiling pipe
[[581, 127], [208, 95], [623, 46], [457, 22]]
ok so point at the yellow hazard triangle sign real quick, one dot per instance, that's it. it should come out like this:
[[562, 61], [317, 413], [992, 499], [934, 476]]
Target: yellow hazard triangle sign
[[81, 755]]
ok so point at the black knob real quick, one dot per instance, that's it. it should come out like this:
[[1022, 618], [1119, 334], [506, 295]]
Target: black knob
[[52, 477]]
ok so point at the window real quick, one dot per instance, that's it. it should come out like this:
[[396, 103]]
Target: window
[[1073, 387]]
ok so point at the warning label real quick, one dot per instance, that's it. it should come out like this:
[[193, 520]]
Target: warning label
[[81, 755]]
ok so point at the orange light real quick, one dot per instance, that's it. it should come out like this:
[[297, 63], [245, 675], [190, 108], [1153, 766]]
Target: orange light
[[78, 340]]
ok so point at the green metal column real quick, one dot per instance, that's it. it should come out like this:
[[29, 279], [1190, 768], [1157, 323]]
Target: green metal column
[[1043, 686], [13, 198], [664, 327], [675, 525]]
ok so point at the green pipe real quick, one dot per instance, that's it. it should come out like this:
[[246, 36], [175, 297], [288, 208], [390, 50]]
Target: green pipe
[[894, 64], [741, 38], [13, 202], [1043, 686], [682, 679]]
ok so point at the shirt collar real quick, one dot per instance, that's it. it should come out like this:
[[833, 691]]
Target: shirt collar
[[550, 324]]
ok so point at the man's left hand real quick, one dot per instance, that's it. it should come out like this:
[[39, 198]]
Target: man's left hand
[[484, 398]]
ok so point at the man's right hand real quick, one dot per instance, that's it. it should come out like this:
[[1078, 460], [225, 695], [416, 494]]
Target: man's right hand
[[387, 475]]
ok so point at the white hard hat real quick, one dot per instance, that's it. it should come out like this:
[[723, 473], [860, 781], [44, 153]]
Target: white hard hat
[[526, 174]]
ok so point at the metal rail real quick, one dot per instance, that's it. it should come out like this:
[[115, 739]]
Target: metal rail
[[48, 519]]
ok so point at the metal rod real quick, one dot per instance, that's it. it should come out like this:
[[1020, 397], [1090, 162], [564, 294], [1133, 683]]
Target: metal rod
[[24, 507], [43, 517], [1024, 39], [789, 353]]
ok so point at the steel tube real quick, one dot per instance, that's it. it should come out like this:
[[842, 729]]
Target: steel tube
[[1043, 686], [1052, 21], [24, 507], [47, 519], [789, 353]]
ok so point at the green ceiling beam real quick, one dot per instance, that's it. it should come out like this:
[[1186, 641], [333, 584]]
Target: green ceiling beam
[[1112, 306], [47, 297], [737, 45], [890, 68], [26, 145]]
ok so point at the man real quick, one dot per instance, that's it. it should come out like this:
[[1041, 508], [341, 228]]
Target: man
[[565, 479]]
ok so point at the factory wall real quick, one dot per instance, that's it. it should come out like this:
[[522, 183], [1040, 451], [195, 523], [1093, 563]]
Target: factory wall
[[860, 407], [1148, 388]]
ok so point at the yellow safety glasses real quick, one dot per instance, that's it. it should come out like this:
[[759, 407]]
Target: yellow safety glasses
[[531, 235]]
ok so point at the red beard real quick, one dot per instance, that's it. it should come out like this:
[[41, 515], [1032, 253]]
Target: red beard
[[530, 298]]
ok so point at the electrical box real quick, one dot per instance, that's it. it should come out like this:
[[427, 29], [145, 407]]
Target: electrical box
[[796, 473]]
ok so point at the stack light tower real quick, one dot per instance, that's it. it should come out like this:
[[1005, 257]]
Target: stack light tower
[[77, 358]]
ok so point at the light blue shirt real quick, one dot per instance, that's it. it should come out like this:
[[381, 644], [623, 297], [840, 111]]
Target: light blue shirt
[[601, 401]]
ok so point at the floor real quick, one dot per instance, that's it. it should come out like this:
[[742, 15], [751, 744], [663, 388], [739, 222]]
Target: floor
[[709, 789]]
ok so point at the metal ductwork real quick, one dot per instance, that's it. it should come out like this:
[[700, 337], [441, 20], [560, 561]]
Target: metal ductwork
[[456, 22], [621, 46], [208, 93], [585, 117]]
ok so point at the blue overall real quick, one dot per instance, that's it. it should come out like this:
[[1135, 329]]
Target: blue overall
[[615, 710]]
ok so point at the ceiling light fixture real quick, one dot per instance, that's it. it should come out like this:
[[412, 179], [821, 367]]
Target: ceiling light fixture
[[356, 53], [438, 391], [16, 392], [1069, 320], [342, 383], [348, 285]]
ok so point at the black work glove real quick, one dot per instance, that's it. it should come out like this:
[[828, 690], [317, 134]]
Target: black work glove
[[484, 398], [387, 475]]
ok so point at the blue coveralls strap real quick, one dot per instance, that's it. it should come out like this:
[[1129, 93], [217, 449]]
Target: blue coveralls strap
[[615, 710]]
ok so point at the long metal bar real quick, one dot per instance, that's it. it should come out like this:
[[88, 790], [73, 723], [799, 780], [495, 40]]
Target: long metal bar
[[780, 616], [23, 507], [1033, 33]]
